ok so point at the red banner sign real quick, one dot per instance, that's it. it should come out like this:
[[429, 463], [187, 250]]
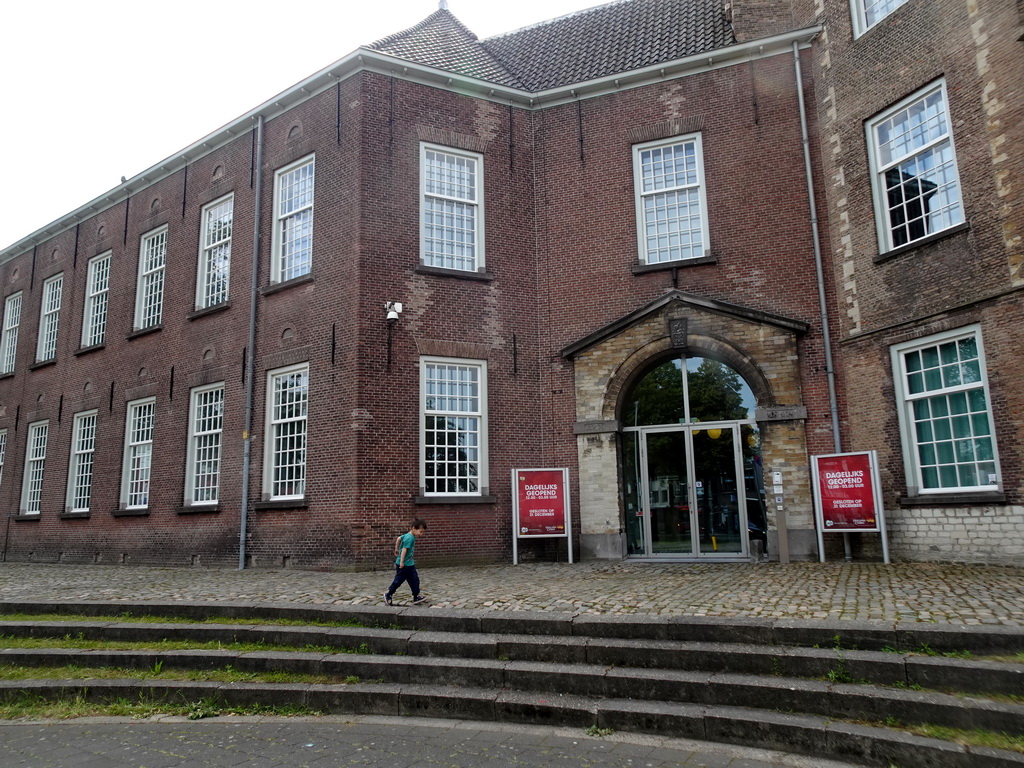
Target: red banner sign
[[541, 502], [846, 492]]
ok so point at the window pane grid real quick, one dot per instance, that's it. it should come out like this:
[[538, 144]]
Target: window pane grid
[[153, 259], [950, 421], [34, 465], [449, 232], [288, 430], [917, 170], [673, 226], [97, 290], [295, 221], [452, 428], [450, 176], [216, 259], [450, 210], [670, 202], [9, 342], [140, 453], [52, 291], [83, 446], [669, 167], [208, 409], [876, 10]]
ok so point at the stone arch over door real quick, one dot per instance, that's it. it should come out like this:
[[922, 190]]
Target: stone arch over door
[[762, 348], [637, 364]]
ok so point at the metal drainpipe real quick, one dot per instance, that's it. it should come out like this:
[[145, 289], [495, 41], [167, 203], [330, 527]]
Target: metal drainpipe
[[250, 363], [822, 303]]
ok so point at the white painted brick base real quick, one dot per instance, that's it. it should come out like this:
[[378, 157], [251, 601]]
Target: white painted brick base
[[993, 535]]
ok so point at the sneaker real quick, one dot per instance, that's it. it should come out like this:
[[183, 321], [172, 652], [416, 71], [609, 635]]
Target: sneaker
[[387, 599], [419, 599]]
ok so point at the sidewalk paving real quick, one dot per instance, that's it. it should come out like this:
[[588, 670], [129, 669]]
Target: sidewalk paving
[[374, 742], [905, 592]]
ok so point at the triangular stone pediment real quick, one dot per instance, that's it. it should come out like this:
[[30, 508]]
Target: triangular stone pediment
[[698, 302]]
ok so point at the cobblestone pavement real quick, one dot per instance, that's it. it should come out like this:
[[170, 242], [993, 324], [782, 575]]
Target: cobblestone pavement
[[924, 592], [332, 742]]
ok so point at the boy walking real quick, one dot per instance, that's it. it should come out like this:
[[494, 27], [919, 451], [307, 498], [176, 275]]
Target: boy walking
[[405, 565]]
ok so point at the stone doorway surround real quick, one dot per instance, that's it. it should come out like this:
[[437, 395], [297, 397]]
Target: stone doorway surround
[[761, 347]]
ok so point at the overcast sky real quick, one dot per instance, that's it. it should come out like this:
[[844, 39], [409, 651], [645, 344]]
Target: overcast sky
[[94, 90]]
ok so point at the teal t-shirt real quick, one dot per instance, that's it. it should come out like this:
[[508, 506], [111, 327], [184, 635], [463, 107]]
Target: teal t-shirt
[[408, 542]]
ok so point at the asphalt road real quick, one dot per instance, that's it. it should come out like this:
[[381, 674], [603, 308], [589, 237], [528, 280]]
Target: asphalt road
[[333, 742]]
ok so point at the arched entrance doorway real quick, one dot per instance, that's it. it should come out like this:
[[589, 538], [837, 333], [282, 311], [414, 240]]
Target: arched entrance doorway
[[693, 479]]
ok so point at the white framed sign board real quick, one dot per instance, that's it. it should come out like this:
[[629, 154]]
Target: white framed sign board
[[540, 506]]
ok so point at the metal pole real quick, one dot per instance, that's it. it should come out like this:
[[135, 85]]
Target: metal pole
[[250, 363]]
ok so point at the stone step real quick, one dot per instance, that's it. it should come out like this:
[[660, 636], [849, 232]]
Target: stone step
[[887, 668], [816, 697], [773, 684], [979, 639], [755, 727]]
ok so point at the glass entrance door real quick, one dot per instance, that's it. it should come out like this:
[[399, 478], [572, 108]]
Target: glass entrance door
[[715, 484], [685, 493], [668, 494]]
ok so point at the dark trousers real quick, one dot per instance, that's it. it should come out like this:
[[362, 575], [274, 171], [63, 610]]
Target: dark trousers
[[404, 574]]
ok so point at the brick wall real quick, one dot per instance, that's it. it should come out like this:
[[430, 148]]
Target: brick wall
[[968, 275], [561, 263]]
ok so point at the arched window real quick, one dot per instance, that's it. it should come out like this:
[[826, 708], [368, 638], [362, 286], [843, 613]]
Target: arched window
[[710, 391]]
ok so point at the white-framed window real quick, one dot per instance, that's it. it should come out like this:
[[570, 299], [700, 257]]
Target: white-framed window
[[451, 200], [97, 289], [35, 462], [949, 444], [9, 335], [3, 452], [453, 426], [913, 166], [867, 13], [138, 453], [205, 427], [671, 209], [215, 253], [293, 220], [49, 318], [284, 475], [80, 469], [149, 301], [152, 262]]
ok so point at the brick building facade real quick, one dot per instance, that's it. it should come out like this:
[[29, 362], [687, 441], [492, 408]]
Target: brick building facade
[[915, 284], [606, 260]]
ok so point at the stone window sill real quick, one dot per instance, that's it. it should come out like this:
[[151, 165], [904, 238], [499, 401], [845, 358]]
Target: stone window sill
[[485, 499], [139, 512], [205, 311], [87, 350], [273, 288], [641, 268], [463, 274], [953, 499], [144, 331], [196, 509], [263, 506], [921, 243]]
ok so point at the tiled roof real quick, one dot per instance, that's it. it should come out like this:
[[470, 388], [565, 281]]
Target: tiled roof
[[617, 37], [442, 42]]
